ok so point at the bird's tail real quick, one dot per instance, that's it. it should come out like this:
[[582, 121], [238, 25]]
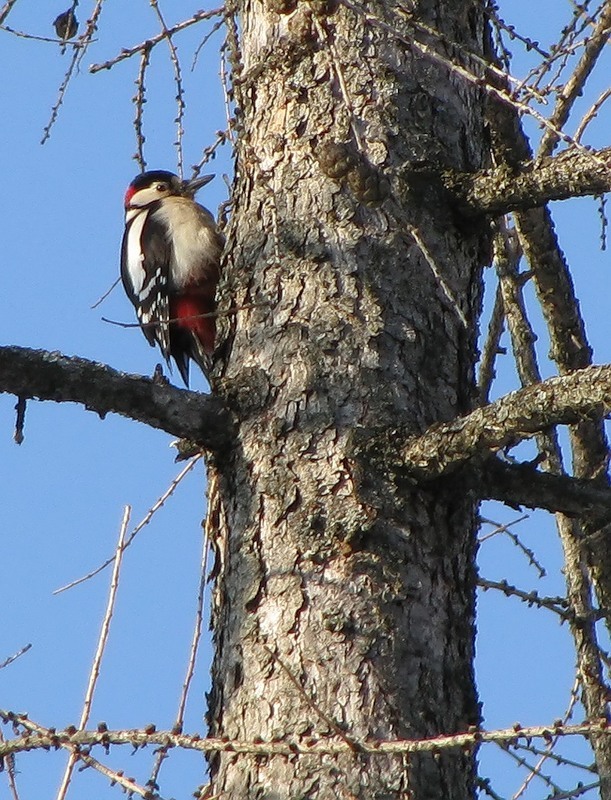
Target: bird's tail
[[201, 355]]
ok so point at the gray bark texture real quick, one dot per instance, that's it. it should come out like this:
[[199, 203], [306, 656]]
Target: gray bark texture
[[344, 599]]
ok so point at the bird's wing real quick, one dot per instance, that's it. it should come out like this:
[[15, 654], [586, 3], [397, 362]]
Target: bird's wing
[[145, 278]]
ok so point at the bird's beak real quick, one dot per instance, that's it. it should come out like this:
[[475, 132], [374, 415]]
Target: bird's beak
[[189, 188]]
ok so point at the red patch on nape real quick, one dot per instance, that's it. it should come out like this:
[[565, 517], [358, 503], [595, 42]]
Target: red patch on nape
[[131, 191], [187, 310]]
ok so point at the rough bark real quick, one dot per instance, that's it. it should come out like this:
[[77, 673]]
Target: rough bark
[[573, 173], [344, 606]]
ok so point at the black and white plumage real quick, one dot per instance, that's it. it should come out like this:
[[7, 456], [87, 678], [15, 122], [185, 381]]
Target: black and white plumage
[[170, 266]]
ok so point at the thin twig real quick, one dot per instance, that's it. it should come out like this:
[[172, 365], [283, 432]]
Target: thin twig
[[34, 37], [128, 52], [15, 656], [139, 99], [210, 151], [604, 221], [506, 98], [578, 791], [6, 10], [97, 659], [573, 88], [147, 518], [491, 348], [499, 527], [442, 282], [485, 67], [195, 642], [548, 752], [558, 605], [227, 91], [513, 33], [207, 37], [178, 82], [515, 539], [100, 300], [117, 777], [197, 631], [80, 48], [60, 97], [562, 761], [565, 47], [591, 114], [522, 762], [331, 723], [336, 65], [218, 313], [50, 735]]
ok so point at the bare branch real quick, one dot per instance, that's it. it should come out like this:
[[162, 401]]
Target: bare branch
[[34, 729], [147, 518], [437, 271], [491, 348], [139, 99], [6, 10], [515, 540], [94, 673], [559, 605], [43, 375], [148, 44], [523, 337], [574, 86], [524, 485], [33, 37], [511, 31], [162, 752], [592, 113], [8, 765], [80, 48], [312, 745], [180, 113], [476, 76], [15, 656], [565, 400], [573, 173]]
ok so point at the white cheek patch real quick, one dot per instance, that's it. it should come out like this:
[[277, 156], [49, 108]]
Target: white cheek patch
[[135, 267], [143, 198]]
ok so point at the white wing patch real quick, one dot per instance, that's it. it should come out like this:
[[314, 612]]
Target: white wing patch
[[135, 258], [153, 309], [149, 288], [153, 284]]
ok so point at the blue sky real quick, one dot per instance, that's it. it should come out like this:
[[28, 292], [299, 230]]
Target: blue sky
[[63, 491]]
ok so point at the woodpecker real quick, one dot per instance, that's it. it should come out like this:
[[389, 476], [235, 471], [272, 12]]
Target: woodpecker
[[170, 263]]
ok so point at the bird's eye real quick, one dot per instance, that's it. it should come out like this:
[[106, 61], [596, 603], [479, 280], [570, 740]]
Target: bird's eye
[[161, 187]]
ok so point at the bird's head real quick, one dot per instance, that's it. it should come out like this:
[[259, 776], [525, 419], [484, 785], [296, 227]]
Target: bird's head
[[148, 187]]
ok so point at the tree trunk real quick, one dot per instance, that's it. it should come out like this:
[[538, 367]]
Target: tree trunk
[[344, 597]]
